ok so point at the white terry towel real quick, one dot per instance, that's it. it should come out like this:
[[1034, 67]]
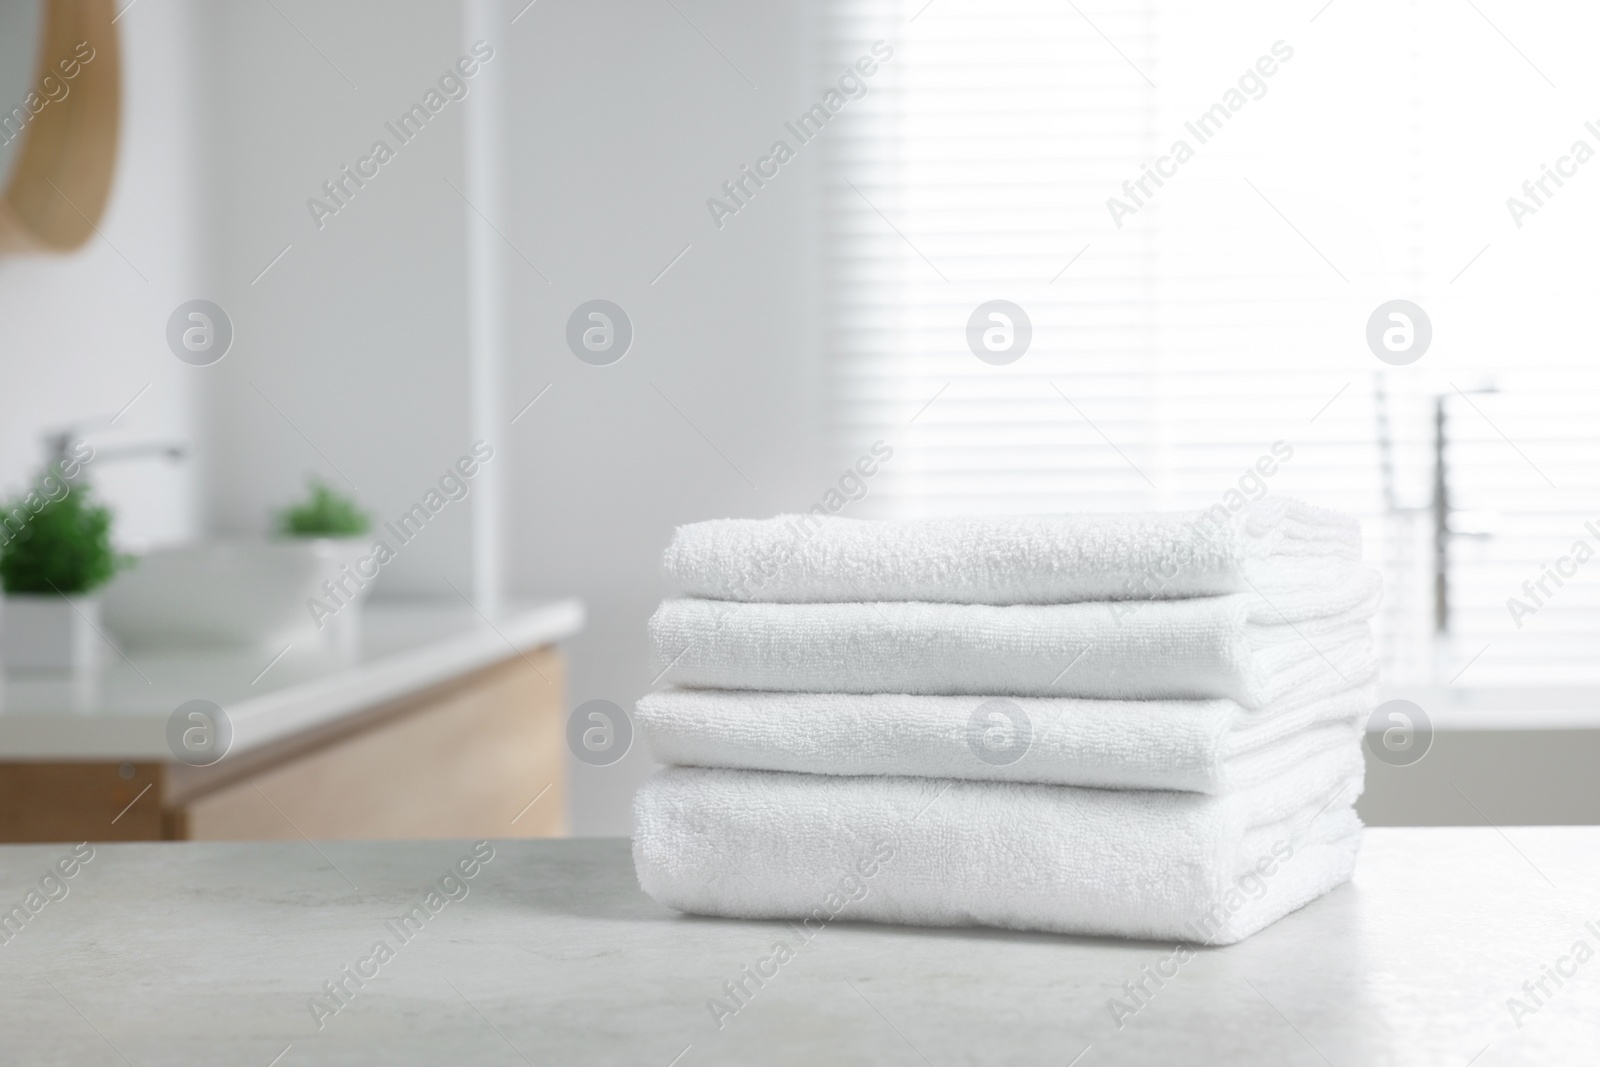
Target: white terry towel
[[1243, 647], [1147, 864], [1203, 746], [1266, 545]]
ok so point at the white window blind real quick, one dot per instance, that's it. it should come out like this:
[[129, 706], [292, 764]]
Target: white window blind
[[1229, 311]]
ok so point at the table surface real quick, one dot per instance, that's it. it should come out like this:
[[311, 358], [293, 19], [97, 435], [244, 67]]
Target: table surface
[[210, 953], [121, 711]]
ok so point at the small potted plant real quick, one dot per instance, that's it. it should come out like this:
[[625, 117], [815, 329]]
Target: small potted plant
[[323, 513], [334, 524], [55, 554]]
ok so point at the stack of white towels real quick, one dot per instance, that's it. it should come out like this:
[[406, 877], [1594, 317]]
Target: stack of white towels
[[1136, 725]]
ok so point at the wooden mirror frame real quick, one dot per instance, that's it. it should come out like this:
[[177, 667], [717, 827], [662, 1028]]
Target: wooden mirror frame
[[61, 178]]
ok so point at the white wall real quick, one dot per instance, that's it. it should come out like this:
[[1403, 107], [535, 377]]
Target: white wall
[[623, 121], [350, 353], [81, 335]]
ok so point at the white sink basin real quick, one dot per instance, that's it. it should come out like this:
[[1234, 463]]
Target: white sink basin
[[230, 594]]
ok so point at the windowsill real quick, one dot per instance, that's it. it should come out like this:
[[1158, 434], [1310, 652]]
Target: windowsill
[[1573, 707]]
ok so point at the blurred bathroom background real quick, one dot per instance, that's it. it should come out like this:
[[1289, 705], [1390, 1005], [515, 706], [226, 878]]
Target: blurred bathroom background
[[1172, 346]]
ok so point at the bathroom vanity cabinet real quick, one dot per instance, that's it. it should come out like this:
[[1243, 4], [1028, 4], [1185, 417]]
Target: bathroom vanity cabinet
[[442, 725]]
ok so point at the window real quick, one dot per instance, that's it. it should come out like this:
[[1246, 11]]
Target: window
[[1334, 164]]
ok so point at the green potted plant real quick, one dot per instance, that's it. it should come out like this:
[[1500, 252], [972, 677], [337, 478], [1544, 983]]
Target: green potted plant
[[334, 524], [324, 512], [55, 555]]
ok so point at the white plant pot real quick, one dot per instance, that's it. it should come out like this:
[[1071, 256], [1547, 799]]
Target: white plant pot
[[50, 632], [340, 557]]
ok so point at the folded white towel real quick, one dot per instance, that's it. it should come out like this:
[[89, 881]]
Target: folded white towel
[[1147, 864], [1243, 647], [1266, 545], [1203, 746]]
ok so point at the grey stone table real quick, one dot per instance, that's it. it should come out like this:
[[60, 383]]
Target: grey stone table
[[549, 954]]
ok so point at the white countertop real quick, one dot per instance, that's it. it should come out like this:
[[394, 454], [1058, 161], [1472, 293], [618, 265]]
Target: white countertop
[[185, 953], [121, 711]]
